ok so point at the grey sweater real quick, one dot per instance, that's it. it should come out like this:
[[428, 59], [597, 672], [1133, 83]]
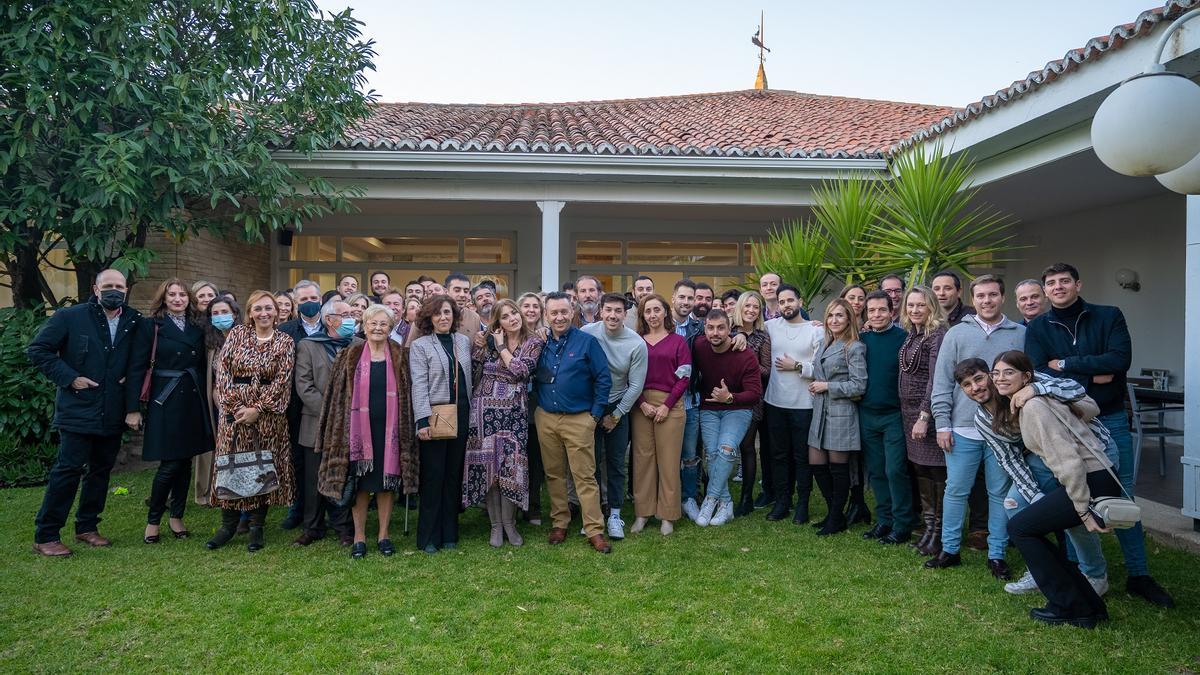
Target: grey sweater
[[627, 359], [951, 407]]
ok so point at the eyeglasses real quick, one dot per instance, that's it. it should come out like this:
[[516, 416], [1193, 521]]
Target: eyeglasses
[[379, 324], [1006, 373]]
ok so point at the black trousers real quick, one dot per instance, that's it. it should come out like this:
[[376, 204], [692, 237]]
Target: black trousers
[[315, 505], [1067, 592], [537, 473], [766, 464], [298, 464], [171, 483], [788, 430], [86, 458], [441, 486]]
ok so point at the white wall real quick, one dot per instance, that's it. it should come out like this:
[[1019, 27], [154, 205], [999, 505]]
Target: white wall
[[1147, 236]]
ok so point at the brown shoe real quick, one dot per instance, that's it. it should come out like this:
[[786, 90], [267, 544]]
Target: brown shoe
[[557, 535], [52, 549], [599, 543], [977, 539], [345, 539], [306, 539], [93, 539]]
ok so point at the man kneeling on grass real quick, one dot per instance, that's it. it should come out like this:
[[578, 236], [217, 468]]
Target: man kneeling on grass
[[731, 385]]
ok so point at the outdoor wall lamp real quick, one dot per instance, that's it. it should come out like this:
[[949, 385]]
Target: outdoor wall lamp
[[1150, 125], [1128, 279]]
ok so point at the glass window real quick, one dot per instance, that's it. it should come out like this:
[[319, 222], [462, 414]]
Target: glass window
[[400, 249], [502, 283], [598, 253], [491, 251], [688, 253], [313, 249]]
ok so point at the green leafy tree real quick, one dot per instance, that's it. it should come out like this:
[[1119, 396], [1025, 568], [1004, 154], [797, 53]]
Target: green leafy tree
[[120, 118], [847, 209], [798, 253]]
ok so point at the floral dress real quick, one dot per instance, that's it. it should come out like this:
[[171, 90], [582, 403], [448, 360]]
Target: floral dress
[[254, 373], [499, 432]]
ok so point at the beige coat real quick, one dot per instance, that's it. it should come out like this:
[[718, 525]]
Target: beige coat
[[1059, 434]]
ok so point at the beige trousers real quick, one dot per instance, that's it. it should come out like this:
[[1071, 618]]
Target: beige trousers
[[568, 445], [656, 451]]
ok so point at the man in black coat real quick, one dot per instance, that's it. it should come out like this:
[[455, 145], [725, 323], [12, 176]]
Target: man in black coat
[[85, 351]]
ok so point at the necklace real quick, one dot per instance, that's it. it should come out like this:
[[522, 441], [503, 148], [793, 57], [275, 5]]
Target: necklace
[[908, 361]]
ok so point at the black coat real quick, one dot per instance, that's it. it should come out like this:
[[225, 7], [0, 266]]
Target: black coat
[[1095, 343], [177, 413], [75, 342]]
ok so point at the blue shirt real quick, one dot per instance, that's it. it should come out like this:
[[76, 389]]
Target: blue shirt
[[579, 369]]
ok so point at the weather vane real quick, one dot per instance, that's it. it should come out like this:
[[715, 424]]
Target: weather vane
[[759, 36]]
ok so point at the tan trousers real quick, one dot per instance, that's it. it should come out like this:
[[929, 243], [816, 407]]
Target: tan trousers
[[656, 451], [568, 445], [202, 466]]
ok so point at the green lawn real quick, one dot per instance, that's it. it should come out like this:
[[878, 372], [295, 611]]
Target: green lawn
[[752, 596]]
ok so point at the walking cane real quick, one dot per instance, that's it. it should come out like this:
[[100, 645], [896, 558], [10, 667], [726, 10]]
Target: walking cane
[[406, 515]]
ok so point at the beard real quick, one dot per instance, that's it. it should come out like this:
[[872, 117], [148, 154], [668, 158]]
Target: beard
[[789, 314], [589, 307], [700, 311]]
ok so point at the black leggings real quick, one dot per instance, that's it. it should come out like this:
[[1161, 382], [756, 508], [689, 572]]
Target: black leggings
[[1068, 593], [749, 461], [172, 480]]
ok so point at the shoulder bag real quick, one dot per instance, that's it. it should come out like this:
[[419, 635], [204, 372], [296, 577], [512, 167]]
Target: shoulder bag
[[1115, 512], [144, 397], [443, 420], [251, 473]]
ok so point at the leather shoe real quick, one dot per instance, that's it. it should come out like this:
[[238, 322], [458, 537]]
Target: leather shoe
[[93, 539], [1045, 615], [779, 511], [599, 543], [764, 499], [943, 560], [1147, 588], [977, 539], [895, 537], [999, 569], [878, 531], [345, 539], [306, 539], [52, 549], [557, 535]]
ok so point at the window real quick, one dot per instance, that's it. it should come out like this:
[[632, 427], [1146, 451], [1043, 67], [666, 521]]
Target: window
[[598, 253], [721, 263], [686, 253]]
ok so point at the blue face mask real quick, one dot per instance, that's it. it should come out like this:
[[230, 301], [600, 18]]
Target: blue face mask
[[348, 328], [222, 321]]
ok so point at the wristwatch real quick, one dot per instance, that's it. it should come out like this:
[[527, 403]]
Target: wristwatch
[[616, 415], [729, 401], [1062, 364]]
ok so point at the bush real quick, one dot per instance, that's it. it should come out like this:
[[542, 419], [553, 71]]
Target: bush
[[28, 446]]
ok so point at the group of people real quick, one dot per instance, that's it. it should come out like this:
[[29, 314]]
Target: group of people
[[448, 396]]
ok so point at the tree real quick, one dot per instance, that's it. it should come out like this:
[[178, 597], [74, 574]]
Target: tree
[[126, 117]]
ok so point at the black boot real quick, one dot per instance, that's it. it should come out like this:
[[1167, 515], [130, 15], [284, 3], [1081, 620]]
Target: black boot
[[257, 518], [229, 523], [858, 511], [745, 503], [839, 489]]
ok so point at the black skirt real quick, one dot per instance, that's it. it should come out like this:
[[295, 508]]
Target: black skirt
[[377, 409]]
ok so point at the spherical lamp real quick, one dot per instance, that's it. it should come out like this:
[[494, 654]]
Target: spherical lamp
[[1149, 125], [1185, 180]]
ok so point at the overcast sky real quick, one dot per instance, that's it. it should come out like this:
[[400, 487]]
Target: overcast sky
[[951, 53]]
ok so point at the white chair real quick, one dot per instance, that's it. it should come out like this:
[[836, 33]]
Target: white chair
[[1155, 426]]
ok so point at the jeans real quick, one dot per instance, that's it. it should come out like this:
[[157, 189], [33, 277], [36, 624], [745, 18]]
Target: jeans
[[1133, 539], [723, 431], [886, 457], [1086, 545], [611, 447], [689, 474], [962, 464], [86, 458]]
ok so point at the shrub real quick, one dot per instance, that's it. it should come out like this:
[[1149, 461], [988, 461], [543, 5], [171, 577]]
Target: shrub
[[27, 444]]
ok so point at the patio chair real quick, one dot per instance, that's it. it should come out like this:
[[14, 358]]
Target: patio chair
[[1154, 427]]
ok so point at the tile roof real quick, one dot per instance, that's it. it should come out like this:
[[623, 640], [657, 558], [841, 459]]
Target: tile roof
[[1074, 59], [750, 123]]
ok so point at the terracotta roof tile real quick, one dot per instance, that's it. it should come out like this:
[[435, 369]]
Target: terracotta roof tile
[[751, 123]]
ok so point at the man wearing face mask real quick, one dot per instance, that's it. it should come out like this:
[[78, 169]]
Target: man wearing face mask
[[314, 361], [85, 351], [308, 305]]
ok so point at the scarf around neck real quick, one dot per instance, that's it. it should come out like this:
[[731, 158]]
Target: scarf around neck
[[362, 453]]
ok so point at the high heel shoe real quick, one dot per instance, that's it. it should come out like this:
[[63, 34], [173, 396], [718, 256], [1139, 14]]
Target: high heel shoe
[[179, 534], [152, 538]]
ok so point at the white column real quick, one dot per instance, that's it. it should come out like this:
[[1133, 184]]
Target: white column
[[550, 211], [1191, 365]]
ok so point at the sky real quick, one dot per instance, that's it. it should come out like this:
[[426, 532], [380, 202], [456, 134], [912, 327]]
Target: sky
[[946, 53]]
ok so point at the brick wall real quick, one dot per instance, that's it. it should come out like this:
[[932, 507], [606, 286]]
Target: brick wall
[[229, 263]]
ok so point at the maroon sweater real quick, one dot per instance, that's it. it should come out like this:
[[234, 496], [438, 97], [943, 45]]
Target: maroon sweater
[[738, 369]]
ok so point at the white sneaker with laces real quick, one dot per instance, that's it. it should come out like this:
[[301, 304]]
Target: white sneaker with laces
[[691, 510], [1099, 584], [616, 526], [706, 511], [738, 477], [1025, 584], [723, 515]]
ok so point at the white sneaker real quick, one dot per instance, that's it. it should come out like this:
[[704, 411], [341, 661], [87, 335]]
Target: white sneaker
[[738, 478], [723, 515], [639, 524], [1021, 586], [616, 526], [666, 527], [691, 510], [706, 511], [1099, 584]]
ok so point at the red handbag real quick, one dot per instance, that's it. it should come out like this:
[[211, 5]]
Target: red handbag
[[145, 395]]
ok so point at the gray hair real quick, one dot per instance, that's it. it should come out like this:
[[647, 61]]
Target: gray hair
[[306, 283], [1027, 282], [327, 308], [374, 309]]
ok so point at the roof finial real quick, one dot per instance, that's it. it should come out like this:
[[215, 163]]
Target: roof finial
[[760, 36]]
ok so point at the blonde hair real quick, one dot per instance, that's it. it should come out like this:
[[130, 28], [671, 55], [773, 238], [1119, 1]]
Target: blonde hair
[[736, 319], [851, 333], [377, 308], [253, 298], [535, 296], [937, 315]]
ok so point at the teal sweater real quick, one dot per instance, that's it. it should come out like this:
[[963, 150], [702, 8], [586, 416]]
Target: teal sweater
[[883, 369]]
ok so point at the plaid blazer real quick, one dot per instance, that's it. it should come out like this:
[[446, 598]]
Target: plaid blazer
[[835, 412]]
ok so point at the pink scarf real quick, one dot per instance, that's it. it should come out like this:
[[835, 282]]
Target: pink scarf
[[361, 451]]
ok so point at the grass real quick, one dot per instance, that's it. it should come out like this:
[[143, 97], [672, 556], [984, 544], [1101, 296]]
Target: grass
[[751, 596]]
